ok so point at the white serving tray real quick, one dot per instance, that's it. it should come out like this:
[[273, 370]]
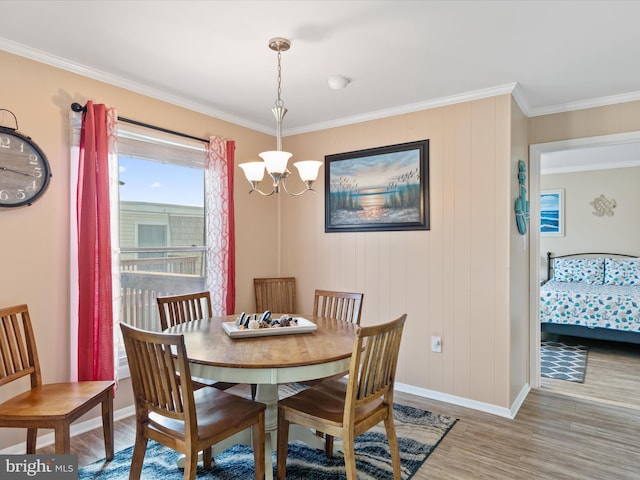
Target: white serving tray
[[304, 326]]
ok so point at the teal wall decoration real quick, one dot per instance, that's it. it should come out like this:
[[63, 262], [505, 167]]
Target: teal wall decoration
[[522, 204]]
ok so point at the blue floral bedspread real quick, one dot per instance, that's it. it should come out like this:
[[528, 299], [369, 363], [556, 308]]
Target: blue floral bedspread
[[605, 306]]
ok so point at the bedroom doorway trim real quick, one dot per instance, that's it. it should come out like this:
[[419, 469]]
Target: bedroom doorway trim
[[536, 155]]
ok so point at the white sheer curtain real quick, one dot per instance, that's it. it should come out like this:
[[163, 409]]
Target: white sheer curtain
[[219, 225]]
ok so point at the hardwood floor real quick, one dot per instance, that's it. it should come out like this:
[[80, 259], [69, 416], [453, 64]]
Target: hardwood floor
[[553, 436], [612, 374]]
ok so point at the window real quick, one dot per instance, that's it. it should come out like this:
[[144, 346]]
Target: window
[[161, 228], [157, 224]]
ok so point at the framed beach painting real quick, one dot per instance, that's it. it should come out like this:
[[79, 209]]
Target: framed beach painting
[[552, 213], [378, 189]]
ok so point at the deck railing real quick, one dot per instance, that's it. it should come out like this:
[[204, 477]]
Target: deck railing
[[142, 280], [184, 264]]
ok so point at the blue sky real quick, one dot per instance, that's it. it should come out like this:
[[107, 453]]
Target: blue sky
[[147, 181]]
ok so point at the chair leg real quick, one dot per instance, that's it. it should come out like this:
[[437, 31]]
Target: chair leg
[[254, 388], [257, 435], [328, 445], [393, 445], [107, 423], [207, 458], [137, 459], [191, 465], [32, 437], [63, 438], [349, 456], [283, 445]]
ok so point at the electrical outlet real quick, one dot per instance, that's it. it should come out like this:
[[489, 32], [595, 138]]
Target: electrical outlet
[[436, 344]]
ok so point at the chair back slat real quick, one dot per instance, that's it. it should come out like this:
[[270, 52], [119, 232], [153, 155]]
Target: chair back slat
[[177, 309], [373, 364], [275, 294], [18, 353], [338, 305], [160, 373]]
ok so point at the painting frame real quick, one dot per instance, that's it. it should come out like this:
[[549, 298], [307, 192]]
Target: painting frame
[[378, 189], [552, 213]]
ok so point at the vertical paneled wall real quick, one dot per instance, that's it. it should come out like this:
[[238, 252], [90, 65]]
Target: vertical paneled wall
[[453, 280], [589, 122]]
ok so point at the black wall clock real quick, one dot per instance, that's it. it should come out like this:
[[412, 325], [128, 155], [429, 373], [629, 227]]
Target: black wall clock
[[24, 169]]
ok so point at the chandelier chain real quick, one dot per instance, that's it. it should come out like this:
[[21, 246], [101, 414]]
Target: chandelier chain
[[279, 102]]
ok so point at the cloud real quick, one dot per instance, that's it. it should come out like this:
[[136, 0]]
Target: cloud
[[122, 169], [156, 185]]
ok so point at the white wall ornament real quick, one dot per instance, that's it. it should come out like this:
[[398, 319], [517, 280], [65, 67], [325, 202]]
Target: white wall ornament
[[603, 206]]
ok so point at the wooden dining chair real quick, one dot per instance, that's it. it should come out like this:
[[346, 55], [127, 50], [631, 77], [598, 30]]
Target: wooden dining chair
[[177, 309], [344, 306], [169, 411], [277, 295], [338, 305], [348, 408], [52, 406]]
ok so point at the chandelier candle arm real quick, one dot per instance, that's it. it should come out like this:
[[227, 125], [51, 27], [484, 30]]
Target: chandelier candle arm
[[275, 161]]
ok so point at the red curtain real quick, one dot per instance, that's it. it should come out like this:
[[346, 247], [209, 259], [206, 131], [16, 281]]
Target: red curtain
[[95, 302], [231, 259]]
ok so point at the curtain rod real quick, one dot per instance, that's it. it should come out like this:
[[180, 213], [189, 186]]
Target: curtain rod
[[76, 107]]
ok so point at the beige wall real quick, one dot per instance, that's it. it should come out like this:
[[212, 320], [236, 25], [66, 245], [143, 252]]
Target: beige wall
[[34, 257], [590, 122], [453, 280], [519, 274], [585, 232]]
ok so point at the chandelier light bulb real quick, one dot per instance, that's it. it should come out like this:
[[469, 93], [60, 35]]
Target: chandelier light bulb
[[275, 160], [308, 169]]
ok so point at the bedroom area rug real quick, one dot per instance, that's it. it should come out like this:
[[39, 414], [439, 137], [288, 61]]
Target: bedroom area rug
[[563, 361], [419, 433]]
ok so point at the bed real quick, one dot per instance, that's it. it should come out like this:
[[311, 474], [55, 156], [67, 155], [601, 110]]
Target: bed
[[592, 295]]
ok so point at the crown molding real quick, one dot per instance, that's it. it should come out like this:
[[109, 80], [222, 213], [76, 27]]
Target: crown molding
[[58, 62], [409, 108], [513, 88], [584, 104], [521, 99]]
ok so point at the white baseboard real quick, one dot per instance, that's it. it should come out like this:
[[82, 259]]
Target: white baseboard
[[465, 402], [76, 429]]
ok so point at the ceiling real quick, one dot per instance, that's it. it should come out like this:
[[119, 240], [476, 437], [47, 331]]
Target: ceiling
[[213, 56]]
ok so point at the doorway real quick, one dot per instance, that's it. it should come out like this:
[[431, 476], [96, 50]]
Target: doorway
[[562, 154]]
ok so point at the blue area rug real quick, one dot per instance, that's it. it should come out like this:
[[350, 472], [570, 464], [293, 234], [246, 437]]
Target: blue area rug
[[563, 361], [419, 433]]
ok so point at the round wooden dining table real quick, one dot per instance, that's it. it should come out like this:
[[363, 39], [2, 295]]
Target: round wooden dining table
[[268, 361]]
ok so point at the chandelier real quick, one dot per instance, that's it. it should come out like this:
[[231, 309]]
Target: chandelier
[[275, 161]]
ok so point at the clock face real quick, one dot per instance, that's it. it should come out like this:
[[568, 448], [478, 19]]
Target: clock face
[[24, 169]]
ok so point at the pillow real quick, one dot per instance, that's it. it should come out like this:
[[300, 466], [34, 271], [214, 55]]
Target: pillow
[[579, 270], [622, 272]]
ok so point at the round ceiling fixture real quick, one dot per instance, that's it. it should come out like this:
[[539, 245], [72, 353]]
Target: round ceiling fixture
[[338, 82]]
